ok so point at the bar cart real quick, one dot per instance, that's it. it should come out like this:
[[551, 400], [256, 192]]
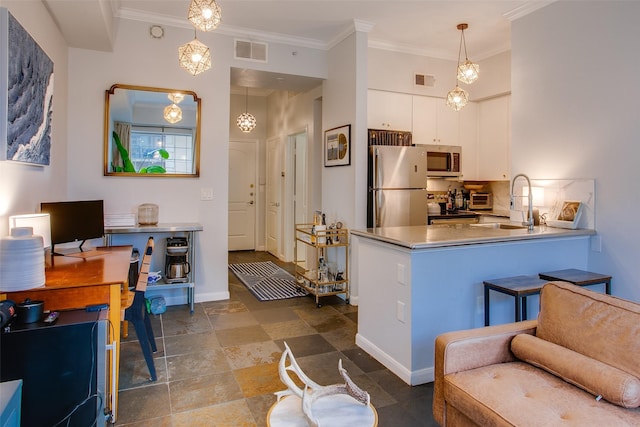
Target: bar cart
[[324, 270]]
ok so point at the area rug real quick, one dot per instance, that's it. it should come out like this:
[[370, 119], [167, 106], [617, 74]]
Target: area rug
[[267, 281]]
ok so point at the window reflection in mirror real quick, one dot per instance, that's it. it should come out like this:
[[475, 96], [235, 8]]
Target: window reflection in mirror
[[151, 132]]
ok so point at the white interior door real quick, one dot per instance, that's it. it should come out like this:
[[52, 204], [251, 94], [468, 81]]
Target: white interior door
[[242, 195], [275, 181]]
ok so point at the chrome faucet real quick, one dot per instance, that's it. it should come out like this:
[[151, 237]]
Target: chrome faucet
[[529, 222]]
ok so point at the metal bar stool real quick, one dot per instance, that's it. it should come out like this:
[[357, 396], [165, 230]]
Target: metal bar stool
[[519, 287], [579, 278]]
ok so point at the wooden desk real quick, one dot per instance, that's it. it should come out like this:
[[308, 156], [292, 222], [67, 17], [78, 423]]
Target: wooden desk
[[73, 283]]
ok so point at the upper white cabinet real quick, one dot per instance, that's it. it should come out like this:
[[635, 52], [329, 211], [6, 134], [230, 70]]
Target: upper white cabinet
[[389, 110], [434, 122], [494, 138], [469, 141]]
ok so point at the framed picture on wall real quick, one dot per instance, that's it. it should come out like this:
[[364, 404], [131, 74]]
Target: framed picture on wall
[[26, 95], [337, 146]]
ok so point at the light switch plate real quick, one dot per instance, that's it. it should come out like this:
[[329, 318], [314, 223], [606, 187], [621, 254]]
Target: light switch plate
[[400, 273], [206, 193]]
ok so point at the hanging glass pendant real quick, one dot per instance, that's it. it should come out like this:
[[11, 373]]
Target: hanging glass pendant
[[457, 98], [246, 122], [176, 97], [172, 113], [468, 72], [194, 57], [205, 15]]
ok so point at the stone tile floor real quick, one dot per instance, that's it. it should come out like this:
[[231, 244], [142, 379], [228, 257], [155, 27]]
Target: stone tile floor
[[219, 366]]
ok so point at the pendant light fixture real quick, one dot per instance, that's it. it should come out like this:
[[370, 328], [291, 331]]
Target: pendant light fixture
[[176, 97], [466, 73], [204, 14], [457, 98], [246, 122], [194, 57], [172, 113]]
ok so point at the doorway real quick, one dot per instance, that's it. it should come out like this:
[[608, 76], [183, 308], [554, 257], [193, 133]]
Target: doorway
[[274, 191], [297, 190], [286, 192], [243, 195]]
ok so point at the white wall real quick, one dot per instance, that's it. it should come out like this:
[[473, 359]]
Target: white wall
[[140, 60], [344, 188], [575, 115], [23, 186], [346, 86], [495, 77], [394, 72]]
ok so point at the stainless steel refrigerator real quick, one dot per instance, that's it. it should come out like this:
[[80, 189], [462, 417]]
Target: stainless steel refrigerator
[[397, 186]]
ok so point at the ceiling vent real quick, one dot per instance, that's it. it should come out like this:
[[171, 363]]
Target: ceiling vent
[[424, 80], [252, 51]]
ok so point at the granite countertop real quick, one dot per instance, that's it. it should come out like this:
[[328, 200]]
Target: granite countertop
[[435, 236], [494, 212]]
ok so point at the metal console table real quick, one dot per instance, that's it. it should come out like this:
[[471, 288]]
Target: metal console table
[[187, 228]]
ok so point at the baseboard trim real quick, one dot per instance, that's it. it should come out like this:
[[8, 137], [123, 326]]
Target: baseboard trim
[[179, 296], [421, 376]]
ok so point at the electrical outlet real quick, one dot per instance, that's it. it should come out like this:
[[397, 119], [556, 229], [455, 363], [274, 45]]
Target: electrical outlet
[[596, 244], [479, 305], [400, 311], [400, 274]]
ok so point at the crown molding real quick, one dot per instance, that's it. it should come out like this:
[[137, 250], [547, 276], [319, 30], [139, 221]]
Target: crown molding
[[356, 26], [228, 30], [526, 9]]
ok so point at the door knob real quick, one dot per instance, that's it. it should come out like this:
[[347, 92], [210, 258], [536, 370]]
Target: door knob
[[250, 202]]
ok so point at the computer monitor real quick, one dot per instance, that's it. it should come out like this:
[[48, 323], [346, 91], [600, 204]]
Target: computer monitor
[[74, 221]]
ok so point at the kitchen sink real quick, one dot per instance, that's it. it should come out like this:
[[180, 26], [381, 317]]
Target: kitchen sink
[[501, 225]]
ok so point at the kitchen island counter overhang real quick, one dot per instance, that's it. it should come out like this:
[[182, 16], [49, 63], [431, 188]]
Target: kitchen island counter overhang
[[414, 283]]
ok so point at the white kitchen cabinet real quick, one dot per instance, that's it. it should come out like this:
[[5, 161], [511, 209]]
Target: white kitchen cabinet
[[469, 141], [389, 110], [494, 139], [434, 122]]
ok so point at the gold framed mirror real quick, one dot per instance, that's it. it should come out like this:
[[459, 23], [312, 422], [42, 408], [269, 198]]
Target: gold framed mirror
[[151, 132]]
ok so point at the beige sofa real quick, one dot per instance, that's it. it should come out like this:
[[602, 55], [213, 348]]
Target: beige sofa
[[578, 364]]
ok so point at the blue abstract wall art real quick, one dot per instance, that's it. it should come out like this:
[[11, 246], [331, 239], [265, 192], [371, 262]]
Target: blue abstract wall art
[[26, 95]]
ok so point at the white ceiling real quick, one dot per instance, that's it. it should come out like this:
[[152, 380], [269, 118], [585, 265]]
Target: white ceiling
[[424, 27]]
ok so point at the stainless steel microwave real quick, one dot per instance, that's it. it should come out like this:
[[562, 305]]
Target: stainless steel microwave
[[444, 160]]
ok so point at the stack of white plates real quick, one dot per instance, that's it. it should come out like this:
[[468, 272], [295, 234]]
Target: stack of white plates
[[21, 260]]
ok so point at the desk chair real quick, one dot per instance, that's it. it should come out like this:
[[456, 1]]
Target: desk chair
[[136, 312]]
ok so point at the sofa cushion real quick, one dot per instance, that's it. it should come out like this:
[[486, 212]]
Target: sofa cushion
[[596, 325], [597, 378], [519, 394]]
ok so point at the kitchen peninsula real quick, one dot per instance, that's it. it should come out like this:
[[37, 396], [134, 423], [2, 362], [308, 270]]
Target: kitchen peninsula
[[414, 283]]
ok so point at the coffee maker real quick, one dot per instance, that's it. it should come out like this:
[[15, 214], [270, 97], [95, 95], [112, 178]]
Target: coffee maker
[[176, 266]]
